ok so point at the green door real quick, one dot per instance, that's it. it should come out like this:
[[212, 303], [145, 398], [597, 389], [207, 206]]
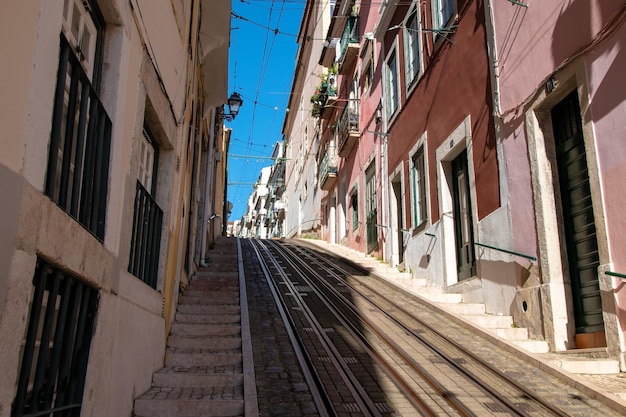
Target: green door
[[371, 206], [463, 231], [578, 219]]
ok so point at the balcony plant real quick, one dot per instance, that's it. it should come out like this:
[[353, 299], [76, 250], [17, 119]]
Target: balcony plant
[[326, 89]]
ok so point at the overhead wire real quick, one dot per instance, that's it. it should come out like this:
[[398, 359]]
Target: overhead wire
[[264, 66]]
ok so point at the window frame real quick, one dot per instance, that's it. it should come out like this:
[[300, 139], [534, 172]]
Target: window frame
[[354, 207], [61, 320], [438, 22], [392, 84], [413, 47], [149, 150], [80, 137], [419, 188]]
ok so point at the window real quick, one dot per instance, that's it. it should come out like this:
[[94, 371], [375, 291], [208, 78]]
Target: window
[[443, 12], [354, 103], [391, 78], [148, 217], [78, 159], [412, 47], [81, 33], [418, 176], [354, 208], [367, 65], [56, 348], [368, 76], [146, 162]]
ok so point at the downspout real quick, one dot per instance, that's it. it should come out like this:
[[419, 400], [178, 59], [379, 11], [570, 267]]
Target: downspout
[[494, 72], [385, 197], [207, 202], [493, 58]]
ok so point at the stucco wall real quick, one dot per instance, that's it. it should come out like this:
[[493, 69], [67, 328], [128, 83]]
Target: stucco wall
[[129, 335]]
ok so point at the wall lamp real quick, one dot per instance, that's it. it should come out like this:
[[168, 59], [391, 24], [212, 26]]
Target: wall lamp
[[234, 103]]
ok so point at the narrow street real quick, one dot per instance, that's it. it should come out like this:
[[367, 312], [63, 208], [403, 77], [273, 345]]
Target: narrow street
[[319, 335]]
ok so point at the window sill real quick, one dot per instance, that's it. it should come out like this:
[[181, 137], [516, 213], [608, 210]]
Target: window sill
[[419, 228]]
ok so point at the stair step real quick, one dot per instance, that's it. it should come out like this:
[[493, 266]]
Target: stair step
[[436, 297], [208, 309], [465, 308], [177, 378], [533, 346], [216, 276], [201, 359], [211, 298], [198, 406], [203, 342], [211, 289], [183, 329], [490, 321], [512, 333], [589, 366], [208, 318]]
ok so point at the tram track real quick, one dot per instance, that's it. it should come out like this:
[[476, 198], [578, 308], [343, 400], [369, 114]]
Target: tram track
[[424, 365]]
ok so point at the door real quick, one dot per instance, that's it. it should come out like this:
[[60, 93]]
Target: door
[[578, 219], [463, 230], [332, 221], [371, 208], [399, 215]]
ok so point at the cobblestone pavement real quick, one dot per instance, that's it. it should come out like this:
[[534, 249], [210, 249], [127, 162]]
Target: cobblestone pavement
[[605, 388], [281, 387]]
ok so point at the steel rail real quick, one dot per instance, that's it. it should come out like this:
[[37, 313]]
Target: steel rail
[[319, 394], [411, 396], [351, 382], [452, 401], [531, 394], [359, 394]]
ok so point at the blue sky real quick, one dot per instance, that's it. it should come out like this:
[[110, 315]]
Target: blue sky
[[262, 60]]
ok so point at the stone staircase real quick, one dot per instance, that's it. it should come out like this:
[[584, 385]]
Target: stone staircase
[[203, 372]]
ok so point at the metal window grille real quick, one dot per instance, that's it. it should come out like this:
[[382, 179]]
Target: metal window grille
[[56, 348], [78, 162], [146, 238]]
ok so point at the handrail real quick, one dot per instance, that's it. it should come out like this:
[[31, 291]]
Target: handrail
[[615, 274], [510, 252]]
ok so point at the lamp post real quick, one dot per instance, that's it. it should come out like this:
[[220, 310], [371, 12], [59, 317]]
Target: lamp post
[[234, 103]]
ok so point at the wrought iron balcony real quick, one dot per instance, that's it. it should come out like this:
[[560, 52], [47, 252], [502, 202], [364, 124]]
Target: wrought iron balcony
[[348, 128], [328, 170], [349, 45]]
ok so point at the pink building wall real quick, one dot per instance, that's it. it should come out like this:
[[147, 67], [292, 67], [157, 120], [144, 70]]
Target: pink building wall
[[584, 39]]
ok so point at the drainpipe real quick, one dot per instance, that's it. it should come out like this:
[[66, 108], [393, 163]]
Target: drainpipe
[[385, 185], [494, 72], [208, 208], [493, 59]]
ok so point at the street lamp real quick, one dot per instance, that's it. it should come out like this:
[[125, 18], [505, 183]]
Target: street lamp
[[234, 103]]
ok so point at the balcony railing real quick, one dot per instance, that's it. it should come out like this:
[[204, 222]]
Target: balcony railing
[[348, 128], [349, 45], [146, 239], [328, 170]]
